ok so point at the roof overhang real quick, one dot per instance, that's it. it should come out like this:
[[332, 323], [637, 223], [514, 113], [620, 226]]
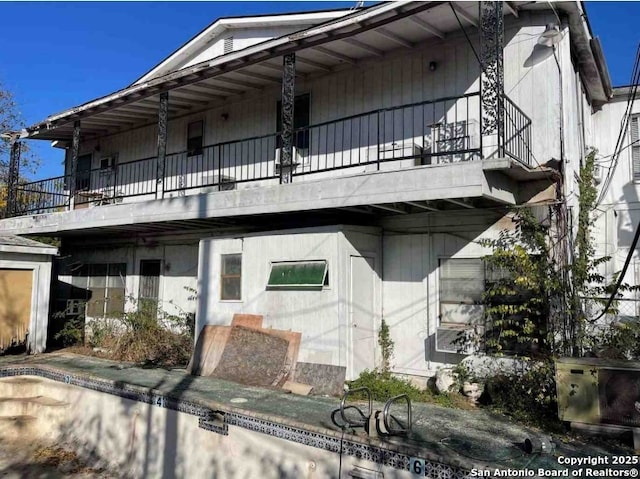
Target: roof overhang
[[364, 34], [588, 51], [368, 33], [221, 25]]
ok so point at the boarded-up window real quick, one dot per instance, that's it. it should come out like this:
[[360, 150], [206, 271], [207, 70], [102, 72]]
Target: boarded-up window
[[195, 136], [635, 147], [298, 275], [231, 277], [228, 45], [105, 286]]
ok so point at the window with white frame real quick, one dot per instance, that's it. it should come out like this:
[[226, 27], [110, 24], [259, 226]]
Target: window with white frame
[[105, 287], [231, 277], [461, 288], [298, 275]]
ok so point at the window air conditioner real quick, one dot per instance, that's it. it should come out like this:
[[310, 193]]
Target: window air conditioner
[[108, 162], [457, 338], [299, 156]]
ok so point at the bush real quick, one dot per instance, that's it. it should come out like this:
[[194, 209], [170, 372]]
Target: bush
[[72, 332], [146, 335], [528, 397]]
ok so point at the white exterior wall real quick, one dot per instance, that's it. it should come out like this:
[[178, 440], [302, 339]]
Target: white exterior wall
[[531, 81], [40, 265], [411, 303], [242, 38], [178, 271], [321, 316], [618, 215]]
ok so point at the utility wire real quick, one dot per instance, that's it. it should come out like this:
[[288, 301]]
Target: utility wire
[[635, 79]]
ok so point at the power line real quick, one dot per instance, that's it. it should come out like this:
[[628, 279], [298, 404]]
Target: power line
[[635, 79]]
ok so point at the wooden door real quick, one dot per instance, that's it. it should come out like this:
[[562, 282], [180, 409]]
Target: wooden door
[[16, 290]]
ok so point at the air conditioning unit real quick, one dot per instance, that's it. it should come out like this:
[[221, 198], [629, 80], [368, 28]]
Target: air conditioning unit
[[395, 155], [298, 158], [457, 338], [602, 392], [108, 162], [75, 307], [453, 138]]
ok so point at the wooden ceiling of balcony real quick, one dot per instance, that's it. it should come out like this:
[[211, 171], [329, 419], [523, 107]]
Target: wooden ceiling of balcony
[[322, 51]]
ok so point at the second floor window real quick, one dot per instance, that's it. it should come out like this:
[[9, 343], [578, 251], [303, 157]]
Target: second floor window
[[195, 136], [301, 119]]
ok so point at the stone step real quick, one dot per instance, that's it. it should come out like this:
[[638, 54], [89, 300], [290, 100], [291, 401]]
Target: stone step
[[19, 427], [29, 386], [37, 406]]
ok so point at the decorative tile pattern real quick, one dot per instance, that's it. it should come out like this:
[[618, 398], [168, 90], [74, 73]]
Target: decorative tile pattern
[[326, 442]]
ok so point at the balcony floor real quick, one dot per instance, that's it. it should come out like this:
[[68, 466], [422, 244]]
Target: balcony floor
[[461, 185]]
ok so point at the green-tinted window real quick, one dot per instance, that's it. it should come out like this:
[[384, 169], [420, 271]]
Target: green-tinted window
[[298, 275]]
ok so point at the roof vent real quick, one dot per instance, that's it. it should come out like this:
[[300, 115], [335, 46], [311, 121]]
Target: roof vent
[[228, 45]]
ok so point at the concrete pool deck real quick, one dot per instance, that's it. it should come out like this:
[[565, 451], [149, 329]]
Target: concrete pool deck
[[464, 439]]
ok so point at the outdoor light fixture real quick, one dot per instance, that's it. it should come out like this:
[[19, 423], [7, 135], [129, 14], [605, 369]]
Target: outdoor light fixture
[[551, 35], [433, 66]]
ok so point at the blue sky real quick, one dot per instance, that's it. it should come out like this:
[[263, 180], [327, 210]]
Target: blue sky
[[57, 55]]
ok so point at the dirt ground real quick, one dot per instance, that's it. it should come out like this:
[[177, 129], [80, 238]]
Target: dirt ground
[[39, 460]]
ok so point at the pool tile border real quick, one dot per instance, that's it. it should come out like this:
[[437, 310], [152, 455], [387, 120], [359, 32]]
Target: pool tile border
[[336, 443]]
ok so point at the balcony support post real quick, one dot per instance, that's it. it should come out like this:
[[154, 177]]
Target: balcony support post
[[73, 173], [288, 100], [163, 116], [492, 76], [12, 181]]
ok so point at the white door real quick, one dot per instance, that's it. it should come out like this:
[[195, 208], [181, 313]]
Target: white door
[[363, 330]]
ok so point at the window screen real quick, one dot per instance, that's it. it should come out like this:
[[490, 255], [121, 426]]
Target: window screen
[[231, 277], [298, 275], [635, 148], [195, 138], [462, 286]]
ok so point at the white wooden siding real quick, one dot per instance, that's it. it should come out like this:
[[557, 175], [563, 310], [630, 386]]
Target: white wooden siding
[[321, 316]]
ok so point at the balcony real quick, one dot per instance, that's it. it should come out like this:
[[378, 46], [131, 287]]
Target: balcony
[[438, 132]]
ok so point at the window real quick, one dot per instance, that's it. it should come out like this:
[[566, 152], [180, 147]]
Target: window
[[462, 286], [104, 284], [301, 119], [228, 45], [231, 277], [296, 275], [195, 135], [635, 148], [83, 173], [149, 286]]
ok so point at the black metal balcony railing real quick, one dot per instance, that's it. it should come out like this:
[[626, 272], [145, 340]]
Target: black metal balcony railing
[[446, 130]]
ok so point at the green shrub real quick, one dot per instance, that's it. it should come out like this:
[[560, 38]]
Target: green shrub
[[528, 397], [384, 386], [72, 332]]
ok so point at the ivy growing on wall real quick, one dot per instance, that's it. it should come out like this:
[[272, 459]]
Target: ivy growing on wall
[[535, 304]]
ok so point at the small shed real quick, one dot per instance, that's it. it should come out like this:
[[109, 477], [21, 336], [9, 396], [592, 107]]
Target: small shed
[[25, 282]]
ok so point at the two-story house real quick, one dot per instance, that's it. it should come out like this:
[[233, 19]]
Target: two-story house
[[325, 170]]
